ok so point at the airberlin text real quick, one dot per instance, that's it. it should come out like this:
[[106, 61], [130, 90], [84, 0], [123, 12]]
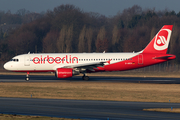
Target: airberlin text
[[58, 60]]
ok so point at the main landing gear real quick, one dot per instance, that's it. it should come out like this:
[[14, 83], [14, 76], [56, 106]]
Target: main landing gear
[[84, 77], [27, 76]]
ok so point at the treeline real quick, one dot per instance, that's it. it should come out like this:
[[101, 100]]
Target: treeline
[[69, 29], [22, 16]]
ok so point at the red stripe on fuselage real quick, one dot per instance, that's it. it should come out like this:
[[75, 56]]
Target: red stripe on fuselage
[[147, 60]]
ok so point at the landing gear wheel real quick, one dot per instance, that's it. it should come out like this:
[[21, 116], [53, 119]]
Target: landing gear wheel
[[86, 78], [27, 76], [27, 79]]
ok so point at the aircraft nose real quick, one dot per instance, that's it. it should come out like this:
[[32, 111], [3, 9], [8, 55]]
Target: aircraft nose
[[7, 66]]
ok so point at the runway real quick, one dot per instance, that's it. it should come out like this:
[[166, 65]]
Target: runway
[[86, 109], [90, 110], [42, 78]]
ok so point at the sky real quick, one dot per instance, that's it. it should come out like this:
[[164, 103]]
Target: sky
[[104, 7]]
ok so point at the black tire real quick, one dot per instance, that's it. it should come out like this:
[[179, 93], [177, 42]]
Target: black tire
[[27, 79], [86, 78]]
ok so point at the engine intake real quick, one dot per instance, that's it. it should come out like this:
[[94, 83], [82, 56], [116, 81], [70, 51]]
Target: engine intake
[[65, 72]]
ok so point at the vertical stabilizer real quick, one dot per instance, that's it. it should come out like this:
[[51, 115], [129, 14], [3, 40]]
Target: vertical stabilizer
[[159, 44]]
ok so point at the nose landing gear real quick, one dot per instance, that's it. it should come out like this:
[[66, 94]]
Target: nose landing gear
[[27, 76]]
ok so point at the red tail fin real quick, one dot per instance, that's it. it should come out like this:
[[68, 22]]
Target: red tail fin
[[159, 44]]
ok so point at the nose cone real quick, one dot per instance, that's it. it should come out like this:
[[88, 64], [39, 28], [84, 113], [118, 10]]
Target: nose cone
[[7, 66]]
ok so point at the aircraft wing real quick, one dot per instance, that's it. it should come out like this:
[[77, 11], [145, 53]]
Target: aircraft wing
[[87, 66]]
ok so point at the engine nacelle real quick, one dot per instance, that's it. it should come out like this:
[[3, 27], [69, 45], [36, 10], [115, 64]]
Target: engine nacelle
[[65, 72]]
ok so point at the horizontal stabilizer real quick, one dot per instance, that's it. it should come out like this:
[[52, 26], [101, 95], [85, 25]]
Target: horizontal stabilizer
[[166, 57]]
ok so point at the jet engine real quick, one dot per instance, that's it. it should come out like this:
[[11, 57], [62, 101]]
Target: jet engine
[[65, 72]]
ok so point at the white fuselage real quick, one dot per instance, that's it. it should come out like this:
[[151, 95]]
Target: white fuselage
[[52, 61]]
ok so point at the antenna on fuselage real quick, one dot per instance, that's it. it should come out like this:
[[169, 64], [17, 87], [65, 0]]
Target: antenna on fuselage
[[104, 52], [29, 52]]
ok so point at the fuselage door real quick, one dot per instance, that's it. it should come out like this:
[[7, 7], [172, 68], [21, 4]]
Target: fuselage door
[[26, 61], [140, 59]]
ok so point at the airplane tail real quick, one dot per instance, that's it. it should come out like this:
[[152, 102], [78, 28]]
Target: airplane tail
[[159, 44]]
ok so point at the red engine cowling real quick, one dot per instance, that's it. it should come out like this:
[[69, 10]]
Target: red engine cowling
[[65, 72]]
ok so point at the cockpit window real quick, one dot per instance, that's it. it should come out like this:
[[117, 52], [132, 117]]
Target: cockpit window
[[15, 60]]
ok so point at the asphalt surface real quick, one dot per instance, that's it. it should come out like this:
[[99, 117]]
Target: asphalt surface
[[95, 110], [42, 78], [84, 109]]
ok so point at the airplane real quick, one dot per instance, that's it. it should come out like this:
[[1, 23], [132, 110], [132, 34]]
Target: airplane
[[66, 65]]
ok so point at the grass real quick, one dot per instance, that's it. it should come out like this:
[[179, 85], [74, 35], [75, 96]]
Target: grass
[[23, 117], [113, 91]]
